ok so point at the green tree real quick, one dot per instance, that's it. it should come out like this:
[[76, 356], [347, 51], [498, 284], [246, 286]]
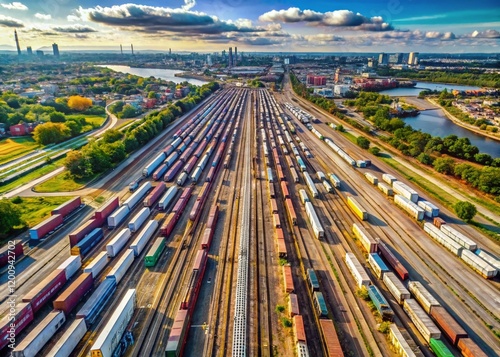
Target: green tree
[[50, 133], [57, 117], [77, 164], [128, 112], [10, 216], [363, 142], [444, 165], [116, 107], [375, 150], [74, 126], [465, 210], [112, 135], [151, 94]]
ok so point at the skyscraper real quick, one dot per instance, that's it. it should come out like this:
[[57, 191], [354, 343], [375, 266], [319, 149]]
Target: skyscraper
[[29, 50], [121, 50], [132, 48], [235, 60], [17, 43], [55, 49], [230, 60], [383, 59], [413, 58]]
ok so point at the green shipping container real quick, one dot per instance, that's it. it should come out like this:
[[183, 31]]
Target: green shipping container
[[439, 348], [319, 300], [154, 253]]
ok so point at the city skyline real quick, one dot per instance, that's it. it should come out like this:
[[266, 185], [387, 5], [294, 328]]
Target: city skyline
[[190, 25]]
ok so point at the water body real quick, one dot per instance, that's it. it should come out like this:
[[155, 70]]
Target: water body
[[435, 123], [167, 74], [414, 91]]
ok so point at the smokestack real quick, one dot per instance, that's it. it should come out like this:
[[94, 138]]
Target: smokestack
[[132, 47], [17, 43], [121, 50]]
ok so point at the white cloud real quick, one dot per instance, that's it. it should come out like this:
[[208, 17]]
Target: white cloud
[[486, 34], [15, 6], [189, 4], [73, 18], [10, 22], [43, 16]]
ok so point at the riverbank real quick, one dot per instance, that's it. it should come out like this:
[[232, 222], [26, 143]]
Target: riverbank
[[467, 126], [194, 76]]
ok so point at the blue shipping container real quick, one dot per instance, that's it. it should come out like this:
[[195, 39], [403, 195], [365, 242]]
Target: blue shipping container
[[380, 303], [95, 304], [87, 243]]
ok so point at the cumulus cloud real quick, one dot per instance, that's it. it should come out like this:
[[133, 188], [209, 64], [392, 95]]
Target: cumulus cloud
[[323, 38], [150, 19], [260, 41], [486, 34], [337, 18], [10, 22], [189, 4], [73, 18], [73, 29], [43, 16], [15, 6]]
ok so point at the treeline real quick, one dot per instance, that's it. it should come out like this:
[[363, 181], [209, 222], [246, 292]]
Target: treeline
[[301, 89], [468, 76], [102, 155]]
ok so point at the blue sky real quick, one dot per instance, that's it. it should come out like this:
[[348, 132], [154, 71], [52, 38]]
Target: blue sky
[[257, 25]]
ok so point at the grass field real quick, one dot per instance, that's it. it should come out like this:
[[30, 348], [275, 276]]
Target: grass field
[[32, 175], [15, 147], [36, 209], [95, 120], [63, 182]]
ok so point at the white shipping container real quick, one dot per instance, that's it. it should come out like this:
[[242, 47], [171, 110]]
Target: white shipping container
[[328, 187], [313, 219], [371, 178], [310, 184], [443, 239], [488, 257], [138, 220], [399, 342], [321, 176], [203, 161], [396, 287], [421, 320], [366, 240], [143, 237], [196, 175], [458, 237], [171, 158], [406, 191], [424, 297], [71, 265], [40, 335], [118, 216], [69, 340], [108, 339], [167, 197], [385, 189], [182, 179], [303, 196], [138, 195], [389, 178], [148, 170], [357, 270], [118, 242], [97, 264], [376, 267], [121, 267], [431, 210], [335, 180], [410, 207], [481, 266]]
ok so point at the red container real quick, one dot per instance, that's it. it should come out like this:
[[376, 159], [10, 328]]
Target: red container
[[298, 329], [206, 240], [293, 305], [51, 223], [23, 317], [271, 191], [16, 253], [169, 176], [74, 293], [284, 189], [276, 220], [274, 206], [45, 290], [190, 165], [331, 338], [287, 275], [279, 233], [80, 233], [212, 216], [291, 211], [195, 210], [448, 324], [106, 209], [180, 205], [68, 207], [282, 252], [211, 174], [186, 193], [187, 153], [469, 348], [281, 176], [392, 260], [438, 222], [155, 195], [168, 225], [205, 190], [160, 171]]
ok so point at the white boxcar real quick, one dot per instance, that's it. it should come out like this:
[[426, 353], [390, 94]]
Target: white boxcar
[[270, 176], [71, 265], [321, 176], [143, 237], [365, 238], [389, 178], [488, 257], [422, 295], [328, 187], [396, 287], [398, 341], [335, 180], [138, 220], [371, 178], [458, 237], [310, 184], [319, 232], [443, 239], [203, 161], [357, 270], [118, 242], [431, 210], [385, 189], [182, 179], [138, 195], [406, 191], [40, 335], [109, 338], [421, 320], [121, 267], [97, 264], [117, 217], [69, 340], [171, 158], [196, 175], [303, 196], [148, 170], [481, 266], [377, 264], [167, 198], [411, 208]]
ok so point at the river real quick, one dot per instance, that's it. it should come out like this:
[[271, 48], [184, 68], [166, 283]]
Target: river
[[414, 91], [167, 74], [435, 123]]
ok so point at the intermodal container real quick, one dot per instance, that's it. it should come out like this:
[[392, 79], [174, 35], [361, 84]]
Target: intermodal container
[[469, 348], [69, 340], [366, 240], [451, 328], [86, 244], [97, 264], [421, 320], [106, 209], [121, 267], [169, 224], [438, 222], [151, 166], [389, 179], [167, 198], [118, 242], [406, 191], [45, 290], [67, 207], [422, 295], [357, 208], [377, 264], [74, 293], [430, 209], [172, 172], [298, 329], [396, 287], [143, 237], [385, 189], [443, 239], [371, 178], [22, 318], [439, 348], [80, 233], [134, 199], [97, 301], [459, 237], [176, 339], [160, 171], [33, 343], [293, 305], [45, 227], [212, 216], [357, 270], [318, 230], [110, 337], [488, 257], [117, 217], [399, 342], [154, 252], [475, 262], [71, 266], [392, 260], [380, 303], [410, 207], [287, 277], [138, 220], [333, 347], [310, 184], [150, 199], [14, 250]]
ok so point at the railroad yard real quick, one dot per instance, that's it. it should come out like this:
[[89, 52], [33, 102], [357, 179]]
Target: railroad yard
[[253, 228]]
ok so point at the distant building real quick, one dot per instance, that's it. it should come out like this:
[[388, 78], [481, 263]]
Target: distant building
[[396, 58], [230, 59], [22, 129], [235, 59], [55, 49], [209, 60], [413, 58], [340, 90], [286, 61], [39, 53], [315, 80], [371, 63], [51, 89], [29, 50], [383, 59]]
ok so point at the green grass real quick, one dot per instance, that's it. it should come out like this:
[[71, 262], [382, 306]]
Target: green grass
[[94, 120], [63, 182], [32, 175], [351, 137], [13, 148], [36, 209]]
